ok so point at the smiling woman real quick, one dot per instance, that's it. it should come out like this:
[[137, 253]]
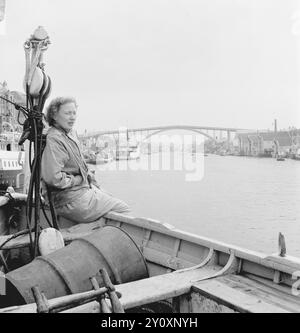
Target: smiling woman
[[76, 194]]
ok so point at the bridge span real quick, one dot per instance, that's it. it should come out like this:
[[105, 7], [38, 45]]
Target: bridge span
[[161, 128], [92, 140]]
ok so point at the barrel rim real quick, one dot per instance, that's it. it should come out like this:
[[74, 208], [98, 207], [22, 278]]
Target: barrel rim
[[133, 241]]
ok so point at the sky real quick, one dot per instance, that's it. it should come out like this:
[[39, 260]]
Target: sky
[[139, 63]]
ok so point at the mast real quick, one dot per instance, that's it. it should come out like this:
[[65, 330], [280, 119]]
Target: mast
[[276, 138], [37, 86]]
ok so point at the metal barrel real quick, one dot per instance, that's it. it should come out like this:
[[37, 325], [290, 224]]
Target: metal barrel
[[68, 270]]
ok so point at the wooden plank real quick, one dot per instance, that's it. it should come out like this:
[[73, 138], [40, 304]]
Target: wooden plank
[[286, 289], [231, 291], [191, 250], [159, 247], [269, 293], [202, 304], [145, 291], [258, 269], [159, 288], [274, 294], [139, 221], [171, 250], [184, 303], [176, 247], [146, 238], [233, 298], [165, 260], [91, 307], [277, 277], [59, 302], [288, 264]]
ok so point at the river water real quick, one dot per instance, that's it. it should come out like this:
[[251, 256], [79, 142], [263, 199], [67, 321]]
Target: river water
[[243, 201]]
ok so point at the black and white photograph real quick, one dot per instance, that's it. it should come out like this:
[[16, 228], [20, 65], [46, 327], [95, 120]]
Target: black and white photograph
[[149, 159]]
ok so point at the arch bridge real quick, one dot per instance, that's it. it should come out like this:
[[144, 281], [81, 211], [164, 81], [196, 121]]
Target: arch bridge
[[92, 140]]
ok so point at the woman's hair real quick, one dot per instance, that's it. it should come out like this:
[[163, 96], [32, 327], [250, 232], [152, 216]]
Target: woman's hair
[[54, 106]]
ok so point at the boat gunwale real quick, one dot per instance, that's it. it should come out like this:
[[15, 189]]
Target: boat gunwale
[[287, 264]]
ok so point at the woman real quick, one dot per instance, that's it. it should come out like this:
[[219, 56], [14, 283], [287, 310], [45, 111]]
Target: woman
[[75, 192]]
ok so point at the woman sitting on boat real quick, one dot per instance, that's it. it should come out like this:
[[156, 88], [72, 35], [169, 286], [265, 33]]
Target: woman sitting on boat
[[76, 194]]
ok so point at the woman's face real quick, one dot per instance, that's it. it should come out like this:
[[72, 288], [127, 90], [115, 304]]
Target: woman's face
[[66, 116]]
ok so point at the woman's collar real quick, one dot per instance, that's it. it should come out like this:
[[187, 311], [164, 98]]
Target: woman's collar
[[62, 129]]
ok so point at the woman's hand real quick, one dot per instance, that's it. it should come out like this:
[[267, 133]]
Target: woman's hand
[[91, 176], [92, 179], [77, 180]]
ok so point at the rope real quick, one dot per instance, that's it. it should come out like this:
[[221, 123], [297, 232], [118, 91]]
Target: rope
[[33, 131], [45, 215], [17, 234], [4, 263], [52, 209]]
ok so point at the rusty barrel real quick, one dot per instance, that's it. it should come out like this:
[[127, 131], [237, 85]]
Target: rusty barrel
[[68, 270]]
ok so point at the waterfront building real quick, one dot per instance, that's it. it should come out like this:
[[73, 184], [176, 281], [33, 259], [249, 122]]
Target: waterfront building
[[10, 128], [268, 143], [295, 148], [283, 143], [248, 143]]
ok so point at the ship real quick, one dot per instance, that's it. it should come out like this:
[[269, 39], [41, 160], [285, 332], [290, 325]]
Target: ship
[[128, 153], [101, 157]]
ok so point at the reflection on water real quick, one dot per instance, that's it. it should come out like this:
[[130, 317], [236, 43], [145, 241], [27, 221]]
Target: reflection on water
[[241, 201]]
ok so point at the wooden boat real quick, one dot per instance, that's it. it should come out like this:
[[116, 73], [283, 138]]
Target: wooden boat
[[187, 273]]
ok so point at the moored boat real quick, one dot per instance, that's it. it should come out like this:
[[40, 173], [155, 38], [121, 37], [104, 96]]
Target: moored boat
[[297, 155], [280, 157]]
